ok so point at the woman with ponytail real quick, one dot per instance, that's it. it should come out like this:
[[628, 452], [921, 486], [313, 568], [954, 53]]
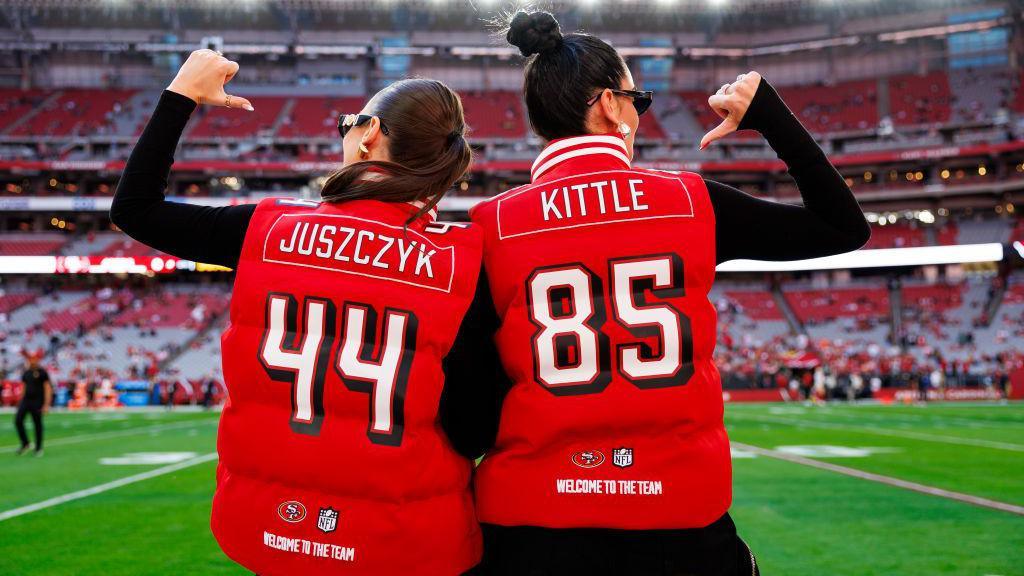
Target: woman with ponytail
[[611, 455], [357, 339]]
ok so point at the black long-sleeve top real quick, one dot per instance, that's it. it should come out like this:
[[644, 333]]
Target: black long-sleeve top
[[829, 222]]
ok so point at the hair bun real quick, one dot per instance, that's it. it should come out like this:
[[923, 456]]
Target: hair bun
[[534, 33]]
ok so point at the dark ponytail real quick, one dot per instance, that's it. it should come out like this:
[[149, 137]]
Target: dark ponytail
[[563, 72], [426, 144]]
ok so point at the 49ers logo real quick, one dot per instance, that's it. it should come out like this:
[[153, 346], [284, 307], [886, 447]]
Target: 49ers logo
[[588, 458], [291, 511]]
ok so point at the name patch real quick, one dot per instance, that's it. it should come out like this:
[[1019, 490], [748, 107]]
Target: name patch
[[591, 200], [361, 247]]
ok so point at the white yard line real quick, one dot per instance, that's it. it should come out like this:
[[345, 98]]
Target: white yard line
[[78, 495], [116, 433], [184, 409], [887, 480], [922, 418], [885, 432]]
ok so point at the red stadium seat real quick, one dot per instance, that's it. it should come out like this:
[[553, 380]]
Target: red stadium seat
[[935, 297], [897, 236], [15, 104], [826, 305], [1018, 231], [223, 122], [163, 310], [11, 302], [756, 305], [946, 235], [847, 106], [80, 111], [920, 99], [650, 128], [1014, 294], [317, 116], [128, 247], [29, 247], [494, 114]]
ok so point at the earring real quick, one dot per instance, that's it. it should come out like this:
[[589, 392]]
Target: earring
[[624, 129], [363, 150]]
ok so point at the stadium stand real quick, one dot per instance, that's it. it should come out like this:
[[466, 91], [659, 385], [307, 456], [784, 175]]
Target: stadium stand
[[316, 116], [757, 305], [920, 99], [124, 333], [981, 231], [126, 247], [697, 102], [16, 104], [11, 302], [92, 243], [74, 112], [846, 106], [899, 235], [201, 359], [222, 122], [1018, 99], [980, 93], [947, 234], [165, 310], [650, 128], [31, 244], [494, 114], [1018, 231], [822, 306]]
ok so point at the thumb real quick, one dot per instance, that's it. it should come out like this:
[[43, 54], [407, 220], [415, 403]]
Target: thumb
[[237, 102], [722, 130]]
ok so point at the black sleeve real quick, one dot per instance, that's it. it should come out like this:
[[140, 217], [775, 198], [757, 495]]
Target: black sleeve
[[829, 222], [202, 233], [475, 381]]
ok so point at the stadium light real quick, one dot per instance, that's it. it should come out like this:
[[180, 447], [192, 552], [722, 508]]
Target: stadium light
[[880, 258], [904, 35]]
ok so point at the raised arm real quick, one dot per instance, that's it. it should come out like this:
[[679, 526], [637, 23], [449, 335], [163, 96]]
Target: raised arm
[[202, 233], [830, 220]]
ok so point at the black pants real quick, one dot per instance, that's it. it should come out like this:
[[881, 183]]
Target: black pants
[[715, 550], [37, 421]]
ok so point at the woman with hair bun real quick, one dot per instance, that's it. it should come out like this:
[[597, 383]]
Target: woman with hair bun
[[355, 349], [611, 456]]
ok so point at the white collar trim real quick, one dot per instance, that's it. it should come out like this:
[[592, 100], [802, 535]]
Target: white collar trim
[[595, 144]]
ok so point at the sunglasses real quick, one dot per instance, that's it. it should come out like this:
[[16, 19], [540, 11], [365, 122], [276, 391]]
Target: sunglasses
[[347, 121], [642, 99]]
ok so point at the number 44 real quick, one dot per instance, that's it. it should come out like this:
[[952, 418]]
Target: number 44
[[302, 358]]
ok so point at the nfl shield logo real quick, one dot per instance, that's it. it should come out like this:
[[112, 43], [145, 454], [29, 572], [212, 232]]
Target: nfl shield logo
[[622, 457], [327, 521]]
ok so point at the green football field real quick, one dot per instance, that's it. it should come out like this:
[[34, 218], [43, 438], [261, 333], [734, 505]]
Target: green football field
[[129, 492]]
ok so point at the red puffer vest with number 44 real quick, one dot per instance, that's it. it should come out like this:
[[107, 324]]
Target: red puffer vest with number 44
[[601, 273], [332, 460]]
